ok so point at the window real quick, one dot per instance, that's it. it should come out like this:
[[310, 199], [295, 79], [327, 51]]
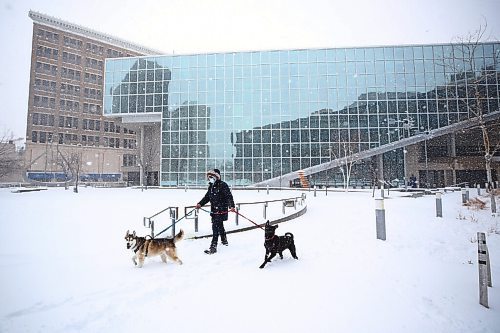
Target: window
[[129, 160], [43, 137], [73, 43]]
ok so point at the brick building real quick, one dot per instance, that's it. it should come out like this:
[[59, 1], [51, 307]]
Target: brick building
[[65, 104]]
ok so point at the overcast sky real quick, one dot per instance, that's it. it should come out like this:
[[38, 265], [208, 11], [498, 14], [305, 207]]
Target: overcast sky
[[193, 26]]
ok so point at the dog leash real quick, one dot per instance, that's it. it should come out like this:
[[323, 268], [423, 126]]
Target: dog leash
[[236, 212], [175, 222]]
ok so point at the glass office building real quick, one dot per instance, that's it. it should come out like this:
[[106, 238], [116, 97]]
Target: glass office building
[[263, 114]]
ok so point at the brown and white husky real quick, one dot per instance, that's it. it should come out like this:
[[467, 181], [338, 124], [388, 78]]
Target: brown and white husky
[[149, 247]]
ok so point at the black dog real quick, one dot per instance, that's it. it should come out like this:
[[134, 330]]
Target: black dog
[[277, 244]]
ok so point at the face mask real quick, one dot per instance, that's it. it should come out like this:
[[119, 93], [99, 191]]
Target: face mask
[[211, 180]]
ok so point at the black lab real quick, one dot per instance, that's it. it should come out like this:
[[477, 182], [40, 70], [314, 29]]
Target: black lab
[[277, 244]]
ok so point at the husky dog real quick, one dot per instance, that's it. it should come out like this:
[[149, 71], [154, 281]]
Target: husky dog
[[147, 246], [277, 244]]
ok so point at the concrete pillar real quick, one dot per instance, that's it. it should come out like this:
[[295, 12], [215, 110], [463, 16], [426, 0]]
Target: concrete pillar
[[452, 152], [141, 157], [380, 166]]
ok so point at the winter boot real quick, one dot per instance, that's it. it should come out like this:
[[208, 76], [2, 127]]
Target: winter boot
[[211, 250]]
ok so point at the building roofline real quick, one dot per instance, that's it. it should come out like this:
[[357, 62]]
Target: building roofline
[[89, 33], [311, 48]]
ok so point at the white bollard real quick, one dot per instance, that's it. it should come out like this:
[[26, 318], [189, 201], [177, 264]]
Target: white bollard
[[439, 205], [380, 218], [464, 195]]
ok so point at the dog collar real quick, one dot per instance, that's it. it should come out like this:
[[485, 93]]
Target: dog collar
[[270, 238]]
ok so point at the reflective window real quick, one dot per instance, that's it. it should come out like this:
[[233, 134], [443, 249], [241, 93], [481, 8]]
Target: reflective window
[[262, 114]]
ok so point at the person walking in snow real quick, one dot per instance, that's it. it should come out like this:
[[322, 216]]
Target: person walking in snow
[[221, 201]]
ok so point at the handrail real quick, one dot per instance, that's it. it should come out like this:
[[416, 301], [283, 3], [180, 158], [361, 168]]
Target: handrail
[[174, 212], [300, 199], [161, 212]]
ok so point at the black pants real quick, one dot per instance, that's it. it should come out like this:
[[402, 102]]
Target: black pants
[[218, 229]]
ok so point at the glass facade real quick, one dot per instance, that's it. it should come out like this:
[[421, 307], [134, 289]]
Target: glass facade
[[259, 115]]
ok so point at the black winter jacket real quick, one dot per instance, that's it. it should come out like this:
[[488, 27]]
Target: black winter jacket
[[221, 200]]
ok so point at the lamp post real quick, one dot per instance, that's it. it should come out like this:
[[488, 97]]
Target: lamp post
[[140, 175], [408, 123], [426, 160], [405, 178]]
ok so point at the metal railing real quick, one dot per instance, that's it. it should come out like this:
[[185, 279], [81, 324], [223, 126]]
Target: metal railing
[[191, 213], [287, 202], [150, 223]]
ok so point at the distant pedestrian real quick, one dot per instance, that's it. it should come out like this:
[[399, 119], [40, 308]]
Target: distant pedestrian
[[221, 201]]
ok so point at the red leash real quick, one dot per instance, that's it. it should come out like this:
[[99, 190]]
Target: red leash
[[248, 219]]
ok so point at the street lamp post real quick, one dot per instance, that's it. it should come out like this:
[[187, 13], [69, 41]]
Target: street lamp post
[[140, 176], [405, 178], [407, 125], [426, 161]]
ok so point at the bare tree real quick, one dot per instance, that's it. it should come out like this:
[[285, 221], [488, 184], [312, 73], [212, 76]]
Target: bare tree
[[345, 153], [470, 77], [72, 161], [10, 159]]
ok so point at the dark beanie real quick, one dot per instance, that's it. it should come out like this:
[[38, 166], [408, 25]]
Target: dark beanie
[[217, 171]]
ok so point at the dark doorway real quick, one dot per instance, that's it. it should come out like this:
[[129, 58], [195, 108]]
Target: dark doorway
[[133, 178], [152, 179]]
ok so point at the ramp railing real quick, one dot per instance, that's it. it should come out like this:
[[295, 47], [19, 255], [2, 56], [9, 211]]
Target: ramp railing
[[149, 222]]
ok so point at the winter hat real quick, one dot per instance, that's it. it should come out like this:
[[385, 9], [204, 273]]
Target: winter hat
[[215, 173]]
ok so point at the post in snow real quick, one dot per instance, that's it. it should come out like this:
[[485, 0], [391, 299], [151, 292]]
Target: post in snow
[[479, 189], [484, 269], [196, 220], [237, 215], [439, 205], [380, 218], [267, 189], [493, 204], [314, 190], [465, 195]]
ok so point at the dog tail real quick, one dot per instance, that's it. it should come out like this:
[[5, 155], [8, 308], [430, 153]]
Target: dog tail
[[179, 236], [289, 234]]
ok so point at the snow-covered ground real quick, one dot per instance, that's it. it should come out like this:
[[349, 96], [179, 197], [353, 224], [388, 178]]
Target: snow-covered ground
[[65, 267]]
